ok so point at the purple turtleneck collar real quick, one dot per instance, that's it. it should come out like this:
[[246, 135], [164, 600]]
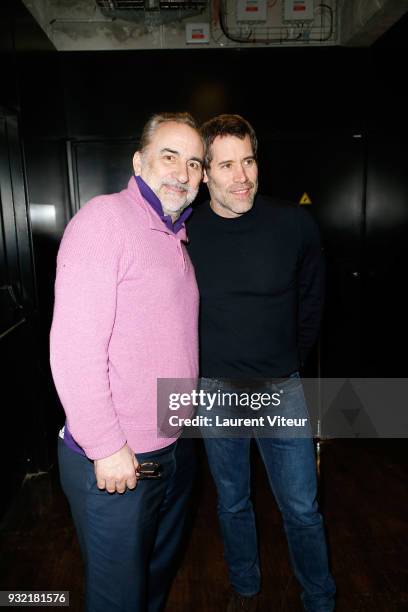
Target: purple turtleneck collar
[[152, 199]]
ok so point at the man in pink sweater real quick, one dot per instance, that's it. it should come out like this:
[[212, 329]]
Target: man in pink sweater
[[126, 312]]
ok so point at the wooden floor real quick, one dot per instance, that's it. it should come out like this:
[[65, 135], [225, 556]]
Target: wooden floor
[[364, 497]]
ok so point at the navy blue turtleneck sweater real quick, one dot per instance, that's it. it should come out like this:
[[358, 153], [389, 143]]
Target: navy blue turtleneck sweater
[[260, 278]]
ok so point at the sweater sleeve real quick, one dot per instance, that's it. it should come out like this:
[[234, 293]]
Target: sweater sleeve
[[311, 275], [84, 316]]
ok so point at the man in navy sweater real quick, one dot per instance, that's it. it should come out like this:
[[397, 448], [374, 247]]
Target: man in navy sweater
[[259, 269]]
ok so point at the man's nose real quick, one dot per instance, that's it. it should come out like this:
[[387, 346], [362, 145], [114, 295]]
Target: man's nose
[[240, 175], [181, 173]]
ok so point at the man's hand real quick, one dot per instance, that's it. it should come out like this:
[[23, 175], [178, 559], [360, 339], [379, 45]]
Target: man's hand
[[118, 471]]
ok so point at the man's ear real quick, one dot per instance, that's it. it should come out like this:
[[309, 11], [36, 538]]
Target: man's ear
[[137, 163], [205, 176]]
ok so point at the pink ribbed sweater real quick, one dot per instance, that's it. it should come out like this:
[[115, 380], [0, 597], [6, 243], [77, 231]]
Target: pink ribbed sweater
[[125, 314]]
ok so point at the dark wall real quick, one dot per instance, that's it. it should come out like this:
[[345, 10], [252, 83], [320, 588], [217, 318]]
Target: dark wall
[[31, 132], [8, 87], [386, 238], [295, 90]]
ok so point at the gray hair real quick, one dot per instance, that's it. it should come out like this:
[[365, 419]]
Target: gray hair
[[156, 120]]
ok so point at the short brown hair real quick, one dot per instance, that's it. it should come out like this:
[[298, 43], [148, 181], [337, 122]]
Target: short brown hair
[[226, 125], [156, 120]]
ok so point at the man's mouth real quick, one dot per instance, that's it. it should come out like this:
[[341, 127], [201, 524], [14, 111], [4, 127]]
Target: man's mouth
[[174, 189], [242, 192]]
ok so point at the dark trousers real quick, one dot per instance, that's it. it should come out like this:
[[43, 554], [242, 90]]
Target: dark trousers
[[130, 541]]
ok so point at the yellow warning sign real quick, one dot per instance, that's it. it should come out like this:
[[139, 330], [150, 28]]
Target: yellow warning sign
[[305, 199]]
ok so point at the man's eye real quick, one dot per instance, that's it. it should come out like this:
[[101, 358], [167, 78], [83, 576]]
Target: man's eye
[[195, 165], [226, 166], [169, 157], [250, 162]]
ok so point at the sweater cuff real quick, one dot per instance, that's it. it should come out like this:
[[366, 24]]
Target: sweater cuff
[[105, 450]]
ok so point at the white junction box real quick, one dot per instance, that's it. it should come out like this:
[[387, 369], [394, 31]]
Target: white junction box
[[197, 33], [252, 10], [298, 10]]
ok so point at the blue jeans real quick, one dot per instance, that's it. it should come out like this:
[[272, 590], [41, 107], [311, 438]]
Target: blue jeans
[[130, 541], [291, 468]]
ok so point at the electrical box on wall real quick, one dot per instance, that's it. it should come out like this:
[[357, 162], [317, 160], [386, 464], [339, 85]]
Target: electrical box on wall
[[298, 10], [252, 10], [197, 33]]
